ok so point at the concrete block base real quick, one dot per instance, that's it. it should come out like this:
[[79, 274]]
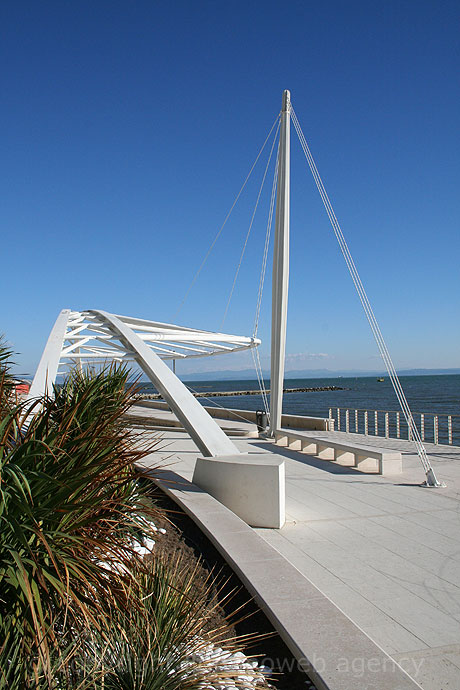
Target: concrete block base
[[344, 457], [308, 447], [367, 464], [282, 439], [325, 452], [250, 485]]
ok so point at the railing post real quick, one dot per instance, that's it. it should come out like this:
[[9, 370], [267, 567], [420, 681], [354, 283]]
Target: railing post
[[343, 416]]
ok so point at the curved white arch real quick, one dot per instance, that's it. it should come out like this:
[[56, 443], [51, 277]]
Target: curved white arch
[[95, 336]]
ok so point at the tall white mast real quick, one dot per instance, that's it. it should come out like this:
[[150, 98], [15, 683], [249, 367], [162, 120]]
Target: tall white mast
[[280, 279]]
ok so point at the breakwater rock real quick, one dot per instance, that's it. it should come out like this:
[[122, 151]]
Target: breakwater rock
[[222, 394]]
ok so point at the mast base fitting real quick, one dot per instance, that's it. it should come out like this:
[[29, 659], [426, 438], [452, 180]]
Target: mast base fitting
[[431, 482]]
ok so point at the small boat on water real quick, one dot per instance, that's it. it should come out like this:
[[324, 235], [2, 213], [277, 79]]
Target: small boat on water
[[380, 379]]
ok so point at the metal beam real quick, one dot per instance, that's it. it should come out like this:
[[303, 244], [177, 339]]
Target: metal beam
[[280, 280], [204, 431], [45, 375]]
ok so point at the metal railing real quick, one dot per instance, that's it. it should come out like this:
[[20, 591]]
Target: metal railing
[[433, 428]]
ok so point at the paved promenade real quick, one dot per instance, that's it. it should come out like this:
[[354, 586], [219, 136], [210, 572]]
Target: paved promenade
[[384, 550]]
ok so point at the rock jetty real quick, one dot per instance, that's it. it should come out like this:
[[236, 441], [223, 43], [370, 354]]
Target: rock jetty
[[222, 394]]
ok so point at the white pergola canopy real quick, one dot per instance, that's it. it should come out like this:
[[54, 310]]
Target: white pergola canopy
[[89, 338], [95, 337]]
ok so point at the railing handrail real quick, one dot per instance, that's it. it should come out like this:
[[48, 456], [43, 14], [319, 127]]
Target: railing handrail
[[439, 425], [368, 409]]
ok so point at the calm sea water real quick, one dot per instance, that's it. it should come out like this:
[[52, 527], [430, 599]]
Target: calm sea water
[[429, 394]]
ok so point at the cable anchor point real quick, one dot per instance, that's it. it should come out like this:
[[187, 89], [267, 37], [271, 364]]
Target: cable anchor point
[[432, 482]]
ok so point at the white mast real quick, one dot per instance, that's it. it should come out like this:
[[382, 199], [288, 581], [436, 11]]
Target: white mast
[[280, 279]]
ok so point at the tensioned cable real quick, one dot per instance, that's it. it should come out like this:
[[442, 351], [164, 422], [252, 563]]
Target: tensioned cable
[[226, 218], [216, 404], [267, 243], [249, 229], [255, 354], [431, 477], [260, 380]]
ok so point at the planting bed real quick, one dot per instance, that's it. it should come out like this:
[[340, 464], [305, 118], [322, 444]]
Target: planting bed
[[270, 651]]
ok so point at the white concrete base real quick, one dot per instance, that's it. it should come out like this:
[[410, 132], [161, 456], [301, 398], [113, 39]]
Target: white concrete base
[[344, 457], [324, 451], [366, 463], [308, 447], [250, 485]]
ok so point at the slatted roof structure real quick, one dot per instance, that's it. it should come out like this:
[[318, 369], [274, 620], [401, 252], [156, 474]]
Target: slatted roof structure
[[95, 337], [89, 339]]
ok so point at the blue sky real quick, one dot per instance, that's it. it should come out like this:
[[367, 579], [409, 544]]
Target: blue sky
[[127, 129]]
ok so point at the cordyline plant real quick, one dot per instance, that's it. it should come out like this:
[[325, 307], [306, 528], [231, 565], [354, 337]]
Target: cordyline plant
[[79, 607], [70, 507]]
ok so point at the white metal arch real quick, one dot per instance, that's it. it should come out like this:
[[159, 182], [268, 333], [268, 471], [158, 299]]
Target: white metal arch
[[95, 337]]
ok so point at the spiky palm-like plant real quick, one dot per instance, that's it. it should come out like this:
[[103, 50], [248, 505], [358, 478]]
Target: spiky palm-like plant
[[79, 607], [70, 505], [166, 643]]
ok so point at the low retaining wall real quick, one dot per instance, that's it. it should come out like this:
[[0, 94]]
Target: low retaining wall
[[288, 421], [324, 641]]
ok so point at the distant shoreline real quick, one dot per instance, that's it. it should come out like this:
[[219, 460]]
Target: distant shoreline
[[249, 375]]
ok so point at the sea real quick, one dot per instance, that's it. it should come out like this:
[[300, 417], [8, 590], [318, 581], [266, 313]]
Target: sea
[[429, 395]]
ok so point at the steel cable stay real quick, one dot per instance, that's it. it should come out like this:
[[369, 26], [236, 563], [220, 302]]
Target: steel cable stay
[[431, 479], [256, 357], [211, 401], [249, 229], [226, 218]]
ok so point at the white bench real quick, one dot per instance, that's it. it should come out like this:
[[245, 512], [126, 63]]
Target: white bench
[[347, 453]]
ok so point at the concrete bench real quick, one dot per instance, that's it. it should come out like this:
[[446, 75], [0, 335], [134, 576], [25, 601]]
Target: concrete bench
[[252, 485], [347, 453]]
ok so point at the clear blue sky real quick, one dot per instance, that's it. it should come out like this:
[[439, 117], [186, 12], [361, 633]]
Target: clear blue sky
[[127, 129]]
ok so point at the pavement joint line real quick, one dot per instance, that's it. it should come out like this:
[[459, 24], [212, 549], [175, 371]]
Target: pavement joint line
[[345, 636], [375, 503]]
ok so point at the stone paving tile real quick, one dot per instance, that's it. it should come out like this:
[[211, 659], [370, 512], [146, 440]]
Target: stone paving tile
[[341, 497], [454, 658], [412, 530], [429, 671], [393, 637], [432, 626], [384, 550], [378, 496], [307, 565], [438, 524], [377, 534], [309, 534], [325, 509], [316, 509], [447, 515]]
